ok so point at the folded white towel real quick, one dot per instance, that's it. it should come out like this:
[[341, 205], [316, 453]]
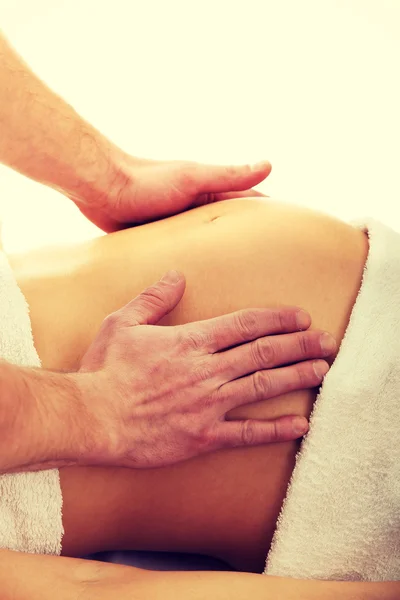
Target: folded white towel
[[30, 503], [341, 516]]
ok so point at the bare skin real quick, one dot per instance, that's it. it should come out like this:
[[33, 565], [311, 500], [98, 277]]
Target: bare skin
[[74, 579], [235, 254], [69, 299]]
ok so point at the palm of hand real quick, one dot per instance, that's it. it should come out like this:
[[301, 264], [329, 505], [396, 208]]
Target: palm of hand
[[150, 190]]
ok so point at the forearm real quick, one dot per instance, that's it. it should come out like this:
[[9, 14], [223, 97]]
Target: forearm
[[42, 419], [42, 137]]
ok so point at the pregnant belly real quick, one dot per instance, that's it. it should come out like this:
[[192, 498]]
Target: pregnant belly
[[225, 504]]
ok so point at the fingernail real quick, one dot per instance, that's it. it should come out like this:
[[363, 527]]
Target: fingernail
[[171, 277], [327, 342], [320, 368], [300, 426], [260, 166], [303, 319]]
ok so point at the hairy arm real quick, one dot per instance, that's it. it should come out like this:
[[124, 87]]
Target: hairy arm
[[92, 580], [41, 415], [43, 137]]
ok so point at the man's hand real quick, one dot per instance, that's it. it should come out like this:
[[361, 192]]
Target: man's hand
[[44, 138], [148, 190], [155, 396]]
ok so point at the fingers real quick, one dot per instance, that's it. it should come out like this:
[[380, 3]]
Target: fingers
[[249, 324], [212, 178], [231, 434], [154, 302], [270, 383], [273, 351], [232, 195]]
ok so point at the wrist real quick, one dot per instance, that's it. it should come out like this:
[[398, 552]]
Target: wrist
[[100, 173], [95, 427], [41, 419], [66, 417]]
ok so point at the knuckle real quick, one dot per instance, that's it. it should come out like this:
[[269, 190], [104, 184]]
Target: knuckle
[[277, 319], [232, 171], [220, 396], [213, 440], [305, 343], [247, 323], [153, 296], [264, 352], [202, 438], [202, 372], [180, 336], [111, 321], [273, 432], [194, 339], [303, 375], [262, 384], [247, 433], [219, 365], [187, 175]]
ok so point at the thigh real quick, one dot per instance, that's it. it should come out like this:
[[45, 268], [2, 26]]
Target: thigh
[[235, 254]]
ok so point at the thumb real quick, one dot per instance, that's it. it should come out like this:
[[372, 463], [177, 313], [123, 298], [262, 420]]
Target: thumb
[[157, 300], [212, 178]]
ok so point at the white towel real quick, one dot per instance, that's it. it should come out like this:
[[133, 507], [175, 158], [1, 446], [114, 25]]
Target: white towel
[[341, 516], [30, 503]]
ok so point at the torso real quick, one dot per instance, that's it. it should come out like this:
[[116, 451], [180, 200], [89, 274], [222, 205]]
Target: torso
[[258, 253]]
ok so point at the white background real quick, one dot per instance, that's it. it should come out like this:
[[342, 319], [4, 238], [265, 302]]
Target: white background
[[311, 85]]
